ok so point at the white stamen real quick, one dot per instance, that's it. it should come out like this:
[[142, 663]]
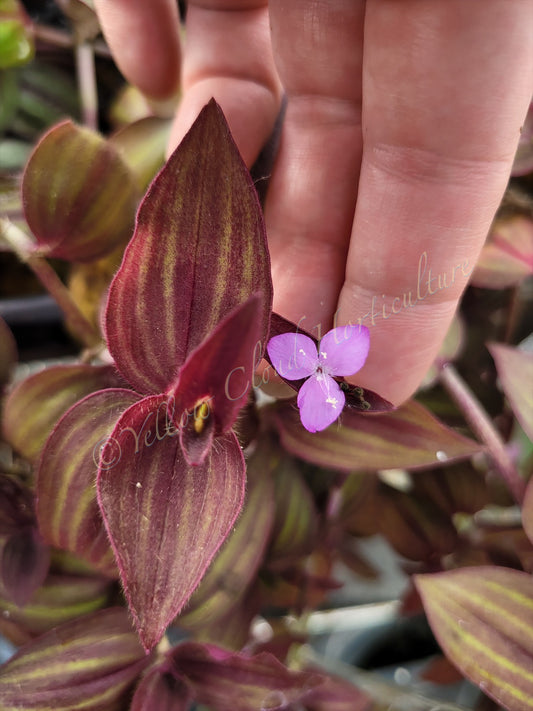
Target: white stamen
[[332, 401]]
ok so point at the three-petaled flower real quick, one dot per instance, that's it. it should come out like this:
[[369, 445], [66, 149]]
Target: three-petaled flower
[[342, 351]]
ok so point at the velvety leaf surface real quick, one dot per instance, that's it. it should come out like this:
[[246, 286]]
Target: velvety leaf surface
[[35, 404], [67, 509], [483, 620], [515, 370], [200, 230], [61, 598], [180, 514], [24, 564], [237, 563], [507, 257], [219, 371], [88, 663], [8, 352], [407, 438], [160, 690], [236, 682], [79, 196]]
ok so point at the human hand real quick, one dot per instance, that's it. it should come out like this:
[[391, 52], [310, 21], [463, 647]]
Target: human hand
[[401, 126]]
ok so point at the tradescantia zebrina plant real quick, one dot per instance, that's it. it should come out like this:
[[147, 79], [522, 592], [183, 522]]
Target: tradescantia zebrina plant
[[148, 492], [186, 322]]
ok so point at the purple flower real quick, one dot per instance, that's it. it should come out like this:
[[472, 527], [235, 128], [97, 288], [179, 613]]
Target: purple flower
[[342, 351]]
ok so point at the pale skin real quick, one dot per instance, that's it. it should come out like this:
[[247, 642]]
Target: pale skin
[[402, 122]]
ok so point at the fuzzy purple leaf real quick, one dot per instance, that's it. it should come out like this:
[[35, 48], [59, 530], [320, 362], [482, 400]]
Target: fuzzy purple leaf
[[165, 518], [200, 232], [215, 381]]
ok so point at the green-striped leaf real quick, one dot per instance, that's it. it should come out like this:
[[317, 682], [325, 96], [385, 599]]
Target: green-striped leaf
[[61, 598], [515, 370], [67, 509], [407, 438], [90, 663], [235, 567], [165, 518], [79, 196], [199, 250], [483, 620], [34, 405]]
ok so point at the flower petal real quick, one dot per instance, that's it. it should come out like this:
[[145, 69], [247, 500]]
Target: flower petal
[[320, 401], [344, 349], [293, 355]]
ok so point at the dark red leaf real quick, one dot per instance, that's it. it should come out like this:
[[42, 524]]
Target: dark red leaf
[[199, 250], [165, 518], [216, 379]]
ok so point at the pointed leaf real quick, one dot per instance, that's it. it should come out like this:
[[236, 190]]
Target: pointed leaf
[[200, 230], [34, 405], [236, 682], [180, 514], [162, 690], [91, 662], [237, 563], [61, 598], [407, 438], [483, 620], [515, 370], [24, 565], [79, 196], [67, 509], [219, 372]]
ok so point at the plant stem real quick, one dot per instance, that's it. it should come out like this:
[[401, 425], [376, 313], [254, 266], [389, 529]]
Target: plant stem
[[87, 84], [24, 248], [481, 425]]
